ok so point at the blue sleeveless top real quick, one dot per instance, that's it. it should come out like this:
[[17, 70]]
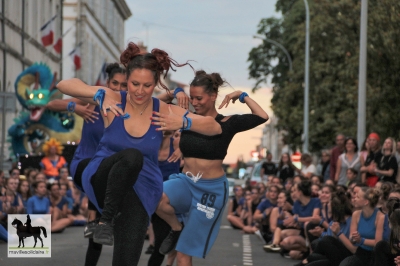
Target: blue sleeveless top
[[91, 135], [115, 138], [168, 168], [367, 228]]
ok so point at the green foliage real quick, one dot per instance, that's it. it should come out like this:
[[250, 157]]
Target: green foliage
[[334, 61]]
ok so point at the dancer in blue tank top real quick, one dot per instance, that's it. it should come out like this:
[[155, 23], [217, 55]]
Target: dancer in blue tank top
[[123, 180], [202, 191]]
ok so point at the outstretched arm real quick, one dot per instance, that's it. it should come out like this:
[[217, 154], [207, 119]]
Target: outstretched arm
[[82, 108]]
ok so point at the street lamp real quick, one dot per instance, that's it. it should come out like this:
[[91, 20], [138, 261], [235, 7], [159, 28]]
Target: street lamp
[[362, 74], [280, 46], [306, 79]]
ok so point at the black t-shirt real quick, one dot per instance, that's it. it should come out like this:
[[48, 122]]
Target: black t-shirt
[[269, 168], [373, 157], [388, 162], [285, 173]]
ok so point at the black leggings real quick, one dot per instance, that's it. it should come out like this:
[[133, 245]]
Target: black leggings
[[331, 248], [383, 254], [161, 230], [112, 185]]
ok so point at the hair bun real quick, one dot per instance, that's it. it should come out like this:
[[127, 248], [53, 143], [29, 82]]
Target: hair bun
[[163, 59], [217, 80], [111, 67], [200, 73], [131, 51]]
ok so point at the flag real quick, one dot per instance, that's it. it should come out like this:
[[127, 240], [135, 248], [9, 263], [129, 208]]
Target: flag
[[102, 78], [47, 32], [58, 45], [76, 56]]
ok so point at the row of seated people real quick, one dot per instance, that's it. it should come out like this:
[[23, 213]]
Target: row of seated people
[[66, 204], [329, 226]]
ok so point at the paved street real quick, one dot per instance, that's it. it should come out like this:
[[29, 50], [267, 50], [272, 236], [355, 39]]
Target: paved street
[[231, 248]]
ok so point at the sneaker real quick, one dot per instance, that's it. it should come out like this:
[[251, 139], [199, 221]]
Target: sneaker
[[150, 249], [89, 229], [104, 234], [272, 248], [260, 236], [170, 242]]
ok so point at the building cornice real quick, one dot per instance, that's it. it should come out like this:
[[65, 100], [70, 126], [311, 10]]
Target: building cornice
[[123, 8]]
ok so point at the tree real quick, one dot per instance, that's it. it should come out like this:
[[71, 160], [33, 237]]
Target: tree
[[334, 60]]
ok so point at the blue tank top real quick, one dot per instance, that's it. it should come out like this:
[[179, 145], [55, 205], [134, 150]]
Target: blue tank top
[[115, 138], [367, 228], [91, 135], [168, 168]]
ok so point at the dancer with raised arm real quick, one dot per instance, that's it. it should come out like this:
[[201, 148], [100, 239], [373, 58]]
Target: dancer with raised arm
[[202, 189]]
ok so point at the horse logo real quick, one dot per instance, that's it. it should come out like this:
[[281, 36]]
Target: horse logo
[[24, 231]]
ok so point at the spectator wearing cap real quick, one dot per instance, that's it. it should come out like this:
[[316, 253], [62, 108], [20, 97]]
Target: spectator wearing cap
[[335, 153], [371, 162]]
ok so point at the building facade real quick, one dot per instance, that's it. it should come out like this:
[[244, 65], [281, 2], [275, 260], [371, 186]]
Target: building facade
[[97, 27]]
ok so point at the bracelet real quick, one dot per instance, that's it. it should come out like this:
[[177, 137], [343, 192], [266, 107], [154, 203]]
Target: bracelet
[[338, 234], [71, 107], [99, 97], [242, 96], [188, 122], [177, 90]]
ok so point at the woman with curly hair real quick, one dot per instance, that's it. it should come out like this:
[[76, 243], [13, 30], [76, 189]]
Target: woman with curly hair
[[123, 180]]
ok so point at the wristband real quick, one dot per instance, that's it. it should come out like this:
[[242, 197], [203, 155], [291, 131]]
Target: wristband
[[322, 221], [242, 96], [264, 215], [71, 107], [177, 90], [99, 97], [188, 122], [338, 234], [362, 241], [296, 218]]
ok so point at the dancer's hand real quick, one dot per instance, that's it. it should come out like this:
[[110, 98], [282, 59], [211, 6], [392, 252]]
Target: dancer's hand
[[175, 156], [397, 261], [111, 105], [168, 121], [86, 113], [183, 100], [234, 96]]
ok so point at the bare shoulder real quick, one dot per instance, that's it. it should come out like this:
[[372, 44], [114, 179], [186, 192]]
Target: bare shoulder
[[164, 108], [356, 214], [226, 118]]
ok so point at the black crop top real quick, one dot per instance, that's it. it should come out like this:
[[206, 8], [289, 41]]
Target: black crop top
[[195, 145]]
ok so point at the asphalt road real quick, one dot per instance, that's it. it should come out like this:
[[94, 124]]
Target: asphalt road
[[232, 248]]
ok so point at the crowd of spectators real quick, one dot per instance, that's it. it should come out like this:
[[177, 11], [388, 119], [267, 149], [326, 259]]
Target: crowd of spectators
[[343, 211]]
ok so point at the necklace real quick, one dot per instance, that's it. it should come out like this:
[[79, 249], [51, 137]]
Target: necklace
[[135, 106]]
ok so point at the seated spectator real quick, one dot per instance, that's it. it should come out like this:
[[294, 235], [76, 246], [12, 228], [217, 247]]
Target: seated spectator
[[251, 206], [58, 209], [366, 228], [12, 201], [235, 208], [315, 189], [25, 192], [39, 203], [288, 184], [331, 248], [2, 181], [262, 213], [305, 209], [3, 230], [351, 176], [74, 206], [278, 214], [297, 179], [30, 175], [316, 180]]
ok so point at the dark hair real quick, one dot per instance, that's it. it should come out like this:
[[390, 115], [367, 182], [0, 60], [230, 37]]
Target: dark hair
[[386, 188], [354, 142], [50, 185], [305, 188], [35, 185], [210, 82], [288, 197], [114, 68], [364, 145], [354, 171], [306, 157], [157, 62], [28, 193], [394, 220], [341, 206], [12, 169], [289, 162]]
